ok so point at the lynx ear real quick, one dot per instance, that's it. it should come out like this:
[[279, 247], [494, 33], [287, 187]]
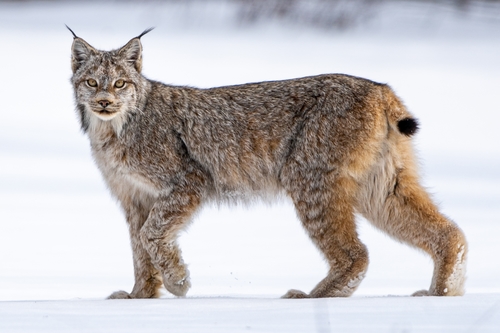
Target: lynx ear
[[80, 53], [132, 53]]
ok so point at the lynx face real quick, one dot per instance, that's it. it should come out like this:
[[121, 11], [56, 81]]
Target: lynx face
[[106, 84], [105, 92]]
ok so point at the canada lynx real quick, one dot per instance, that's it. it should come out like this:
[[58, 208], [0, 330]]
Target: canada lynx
[[337, 145]]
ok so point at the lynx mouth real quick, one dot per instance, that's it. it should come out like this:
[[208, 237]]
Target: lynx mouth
[[105, 112]]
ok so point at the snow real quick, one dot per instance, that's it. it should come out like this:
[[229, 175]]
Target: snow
[[472, 313], [63, 241]]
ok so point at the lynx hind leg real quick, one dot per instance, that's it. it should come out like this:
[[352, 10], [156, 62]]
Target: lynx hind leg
[[148, 281], [326, 212], [395, 202]]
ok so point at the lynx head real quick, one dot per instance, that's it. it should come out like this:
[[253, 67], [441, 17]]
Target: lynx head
[[108, 85]]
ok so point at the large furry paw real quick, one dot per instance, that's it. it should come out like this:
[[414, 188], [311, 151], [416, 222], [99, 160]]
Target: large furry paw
[[421, 293], [293, 293], [178, 284], [444, 292], [120, 295]]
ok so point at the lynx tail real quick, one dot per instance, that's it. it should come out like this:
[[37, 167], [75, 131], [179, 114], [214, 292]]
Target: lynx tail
[[408, 126], [398, 116]]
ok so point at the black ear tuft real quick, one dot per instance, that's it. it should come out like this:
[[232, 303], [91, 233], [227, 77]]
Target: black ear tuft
[[408, 126], [74, 35], [144, 32]]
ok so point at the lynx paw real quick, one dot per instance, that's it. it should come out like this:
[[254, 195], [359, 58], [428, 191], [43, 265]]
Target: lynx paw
[[421, 293], [177, 284], [293, 293], [120, 295], [444, 292]]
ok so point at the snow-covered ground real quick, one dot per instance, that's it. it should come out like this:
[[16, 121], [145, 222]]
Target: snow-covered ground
[[63, 241], [471, 313]]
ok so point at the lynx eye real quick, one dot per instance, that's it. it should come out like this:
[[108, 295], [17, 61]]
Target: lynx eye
[[92, 83], [119, 83]]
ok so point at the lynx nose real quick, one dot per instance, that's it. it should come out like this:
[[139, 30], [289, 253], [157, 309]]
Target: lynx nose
[[104, 102]]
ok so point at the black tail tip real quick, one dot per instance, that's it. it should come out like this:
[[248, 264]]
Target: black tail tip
[[408, 126]]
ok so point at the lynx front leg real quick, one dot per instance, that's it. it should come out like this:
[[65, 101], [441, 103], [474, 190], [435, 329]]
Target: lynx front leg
[[169, 215], [326, 212], [147, 278]]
